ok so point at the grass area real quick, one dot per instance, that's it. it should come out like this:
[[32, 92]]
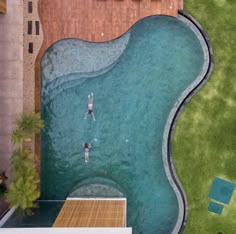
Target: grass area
[[205, 136]]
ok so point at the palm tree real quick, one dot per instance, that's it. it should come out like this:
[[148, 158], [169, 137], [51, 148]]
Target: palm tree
[[23, 192], [17, 136], [28, 125]]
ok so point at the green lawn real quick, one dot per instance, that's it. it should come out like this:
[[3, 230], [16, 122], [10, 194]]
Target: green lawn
[[205, 137]]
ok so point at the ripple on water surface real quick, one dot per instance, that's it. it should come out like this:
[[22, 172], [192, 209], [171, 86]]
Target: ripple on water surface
[[132, 101]]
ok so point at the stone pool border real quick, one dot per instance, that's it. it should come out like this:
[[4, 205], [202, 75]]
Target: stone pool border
[[175, 113]]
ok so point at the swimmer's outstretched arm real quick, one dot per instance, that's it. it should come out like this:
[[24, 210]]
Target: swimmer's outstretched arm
[[90, 99]]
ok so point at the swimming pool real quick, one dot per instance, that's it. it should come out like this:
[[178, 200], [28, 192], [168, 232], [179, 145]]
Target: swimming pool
[[134, 92]]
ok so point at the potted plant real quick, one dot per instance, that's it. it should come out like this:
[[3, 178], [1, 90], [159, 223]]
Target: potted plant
[[28, 125]]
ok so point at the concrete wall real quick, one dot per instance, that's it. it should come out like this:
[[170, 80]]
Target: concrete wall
[[11, 76]]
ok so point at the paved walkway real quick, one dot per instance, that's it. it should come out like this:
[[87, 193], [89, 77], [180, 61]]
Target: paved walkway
[[11, 77]]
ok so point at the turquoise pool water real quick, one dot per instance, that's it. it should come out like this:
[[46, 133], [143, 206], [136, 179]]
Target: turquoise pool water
[[133, 97]]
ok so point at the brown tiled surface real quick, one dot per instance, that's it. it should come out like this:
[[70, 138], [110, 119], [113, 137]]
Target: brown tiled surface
[[93, 20], [97, 20], [92, 213], [3, 6]]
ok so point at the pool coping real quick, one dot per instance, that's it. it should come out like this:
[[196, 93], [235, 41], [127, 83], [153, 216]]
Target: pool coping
[[188, 93]]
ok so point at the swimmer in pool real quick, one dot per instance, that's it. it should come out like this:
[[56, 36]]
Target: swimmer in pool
[[86, 152], [90, 107]]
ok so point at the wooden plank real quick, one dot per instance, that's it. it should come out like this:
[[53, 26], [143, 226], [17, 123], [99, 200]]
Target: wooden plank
[[92, 213], [96, 16]]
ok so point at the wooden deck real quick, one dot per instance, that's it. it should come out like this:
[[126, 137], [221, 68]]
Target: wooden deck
[[92, 213], [97, 20]]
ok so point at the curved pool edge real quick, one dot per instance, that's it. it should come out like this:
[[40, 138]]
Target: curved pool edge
[[188, 93]]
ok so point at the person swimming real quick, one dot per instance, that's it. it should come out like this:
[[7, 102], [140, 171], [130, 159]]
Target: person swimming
[[90, 107], [86, 152]]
